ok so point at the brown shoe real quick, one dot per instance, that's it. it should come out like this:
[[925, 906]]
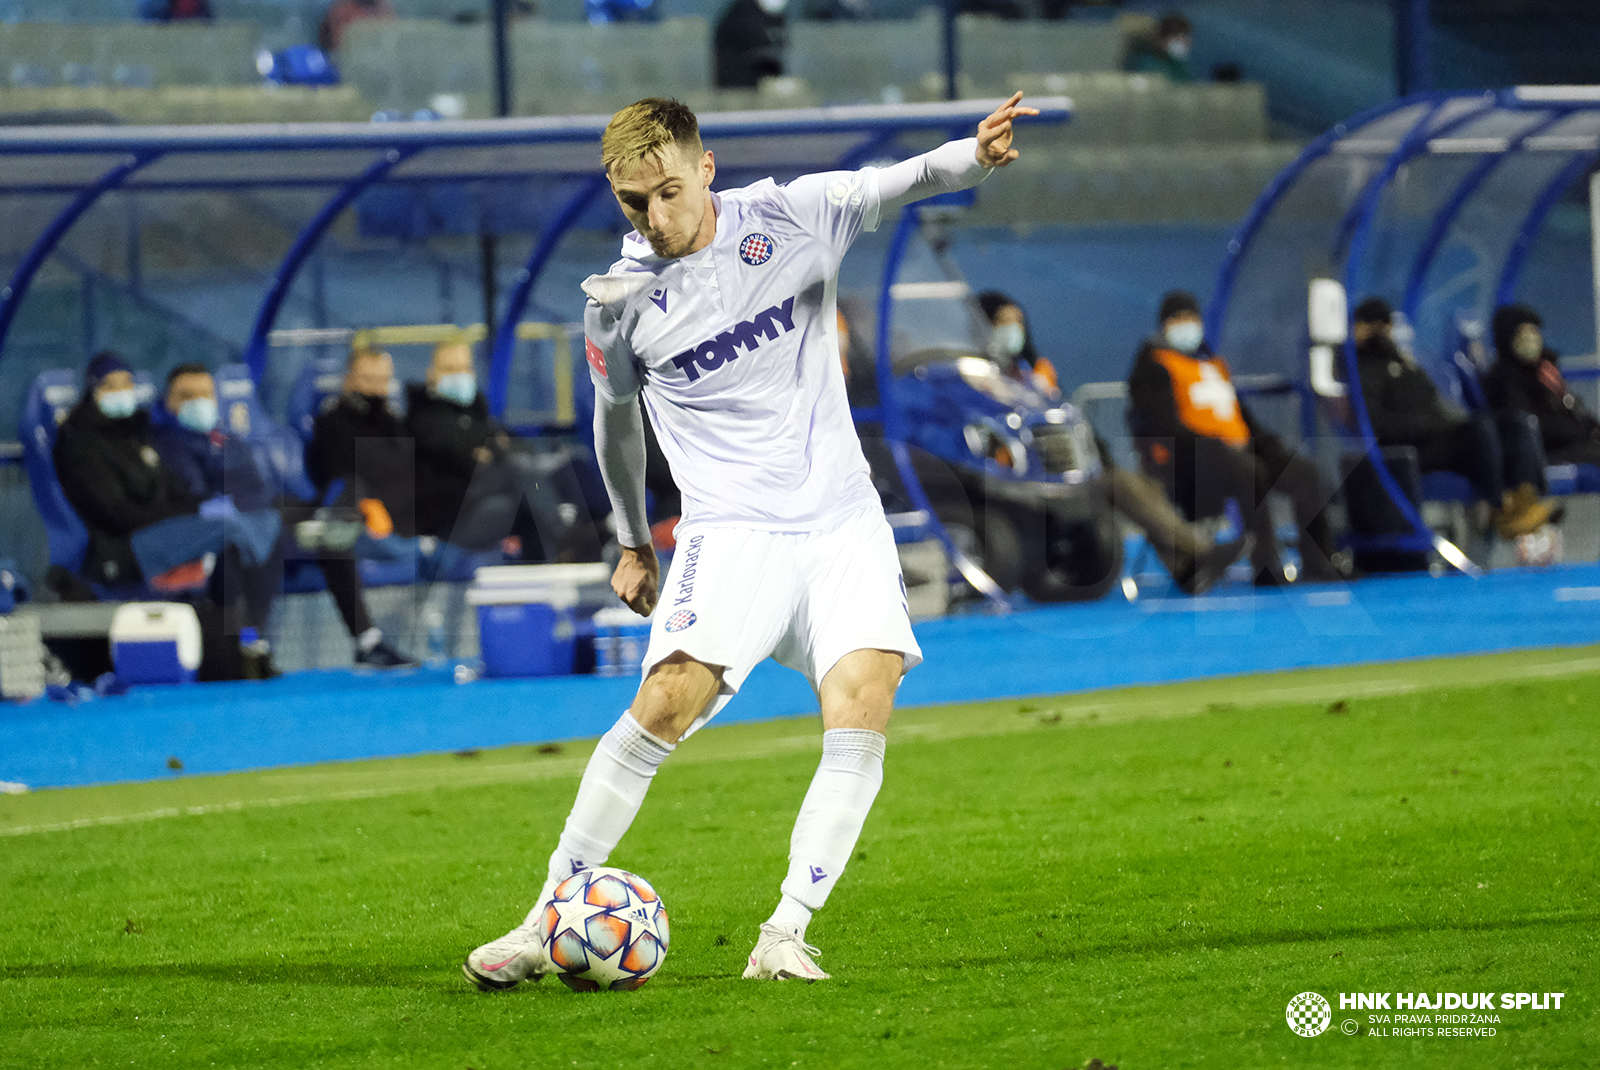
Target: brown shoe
[[1520, 513]]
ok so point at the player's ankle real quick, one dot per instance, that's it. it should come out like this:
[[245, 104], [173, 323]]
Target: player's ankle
[[791, 914]]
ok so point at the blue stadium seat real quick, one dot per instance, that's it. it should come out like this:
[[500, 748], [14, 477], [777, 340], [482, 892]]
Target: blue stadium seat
[[280, 451], [49, 399], [316, 381]]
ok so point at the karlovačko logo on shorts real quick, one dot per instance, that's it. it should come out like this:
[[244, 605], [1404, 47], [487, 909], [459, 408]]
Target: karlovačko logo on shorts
[[1309, 1014]]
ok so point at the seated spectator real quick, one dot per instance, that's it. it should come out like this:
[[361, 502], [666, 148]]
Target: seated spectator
[[749, 43], [1011, 344], [473, 488], [341, 13], [213, 464], [1187, 413], [1527, 379], [1194, 559], [145, 521], [1501, 458], [360, 454], [1166, 53]]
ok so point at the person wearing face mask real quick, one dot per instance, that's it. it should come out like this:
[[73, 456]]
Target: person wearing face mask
[[475, 486], [112, 475], [1195, 560], [1011, 343], [1501, 458], [749, 43], [224, 469], [1188, 415], [1167, 52], [1527, 379], [358, 442]]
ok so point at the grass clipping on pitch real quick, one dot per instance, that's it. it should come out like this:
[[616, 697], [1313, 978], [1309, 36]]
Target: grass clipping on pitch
[[1141, 877]]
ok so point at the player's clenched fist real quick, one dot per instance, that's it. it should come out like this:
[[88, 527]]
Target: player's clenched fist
[[637, 579], [994, 133]]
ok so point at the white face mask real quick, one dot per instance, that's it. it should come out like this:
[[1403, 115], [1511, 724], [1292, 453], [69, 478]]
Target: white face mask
[[1185, 337], [1178, 48], [461, 387], [118, 404], [1006, 341], [772, 7], [198, 414], [1528, 344]]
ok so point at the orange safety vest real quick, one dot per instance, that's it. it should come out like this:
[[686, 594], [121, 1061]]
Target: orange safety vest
[[1207, 402]]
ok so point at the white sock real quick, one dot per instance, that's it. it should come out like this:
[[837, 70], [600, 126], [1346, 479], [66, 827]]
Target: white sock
[[613, 786], [835, 808]]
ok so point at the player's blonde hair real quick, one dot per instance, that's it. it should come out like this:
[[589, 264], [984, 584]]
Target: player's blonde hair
[[648, 128]]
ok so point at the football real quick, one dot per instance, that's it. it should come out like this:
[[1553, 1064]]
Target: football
[[605, 929]]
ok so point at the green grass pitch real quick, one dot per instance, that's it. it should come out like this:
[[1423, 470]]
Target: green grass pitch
[[1143, 877]]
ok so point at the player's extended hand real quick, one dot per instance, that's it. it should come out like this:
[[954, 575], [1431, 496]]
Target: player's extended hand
[[637, 579], [994, 133]]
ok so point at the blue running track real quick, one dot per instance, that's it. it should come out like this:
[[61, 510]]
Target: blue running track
[[331, 716]]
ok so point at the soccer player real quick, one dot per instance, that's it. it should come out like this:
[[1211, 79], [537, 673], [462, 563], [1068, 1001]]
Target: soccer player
[[722, 313]]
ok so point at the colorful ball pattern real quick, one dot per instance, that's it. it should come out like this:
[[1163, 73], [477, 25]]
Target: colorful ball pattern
[[605, 929]]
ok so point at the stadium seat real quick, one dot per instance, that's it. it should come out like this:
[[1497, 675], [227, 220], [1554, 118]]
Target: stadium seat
[[316, 381], [280, 451]]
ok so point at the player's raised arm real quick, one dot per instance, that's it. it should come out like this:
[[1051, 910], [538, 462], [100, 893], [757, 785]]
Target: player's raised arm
[[955, 165]]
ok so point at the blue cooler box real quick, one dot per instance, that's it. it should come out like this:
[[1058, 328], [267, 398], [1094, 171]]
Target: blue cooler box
[[621, 637], [525, 631]]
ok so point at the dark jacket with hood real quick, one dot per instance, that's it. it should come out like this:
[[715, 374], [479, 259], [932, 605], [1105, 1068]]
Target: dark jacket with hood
[[114, 479], [1403, 403], [1515, 386], [359, 440], [447, 434]]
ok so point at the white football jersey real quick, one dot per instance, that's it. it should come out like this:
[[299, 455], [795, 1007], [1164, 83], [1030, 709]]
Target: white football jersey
[[736, 350]]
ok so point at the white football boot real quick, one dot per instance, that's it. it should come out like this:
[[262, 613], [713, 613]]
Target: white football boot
[[516, 957], [780, 955]]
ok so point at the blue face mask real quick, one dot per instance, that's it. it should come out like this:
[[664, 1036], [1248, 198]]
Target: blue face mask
[[461, 388], [118, 404], [198, 414]]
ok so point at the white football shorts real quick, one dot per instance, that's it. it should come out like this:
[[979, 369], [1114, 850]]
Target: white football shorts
[[735, 596]]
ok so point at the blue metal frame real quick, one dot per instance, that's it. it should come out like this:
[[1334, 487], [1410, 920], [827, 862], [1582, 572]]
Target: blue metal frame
[[1452, 208], [255, 353], [13, 293], [1517, 255], [894, 430], [1357, 228], [1281, 184], [505, 338]]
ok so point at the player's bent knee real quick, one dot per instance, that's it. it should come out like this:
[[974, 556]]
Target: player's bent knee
[[677, 691], [859, 691]]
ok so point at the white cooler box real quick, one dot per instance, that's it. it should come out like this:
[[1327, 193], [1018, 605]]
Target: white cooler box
[[155, 643]]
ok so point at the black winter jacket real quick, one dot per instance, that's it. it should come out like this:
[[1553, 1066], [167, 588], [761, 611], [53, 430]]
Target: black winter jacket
[[1514, 386], [115, 481], [361, 441], [447, 435], [1403, 403]]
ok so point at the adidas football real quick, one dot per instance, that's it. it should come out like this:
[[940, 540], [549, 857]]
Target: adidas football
[[605, 929]]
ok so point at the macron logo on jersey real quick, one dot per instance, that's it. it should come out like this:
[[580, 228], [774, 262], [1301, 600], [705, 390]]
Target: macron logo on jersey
[[724, 348]]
